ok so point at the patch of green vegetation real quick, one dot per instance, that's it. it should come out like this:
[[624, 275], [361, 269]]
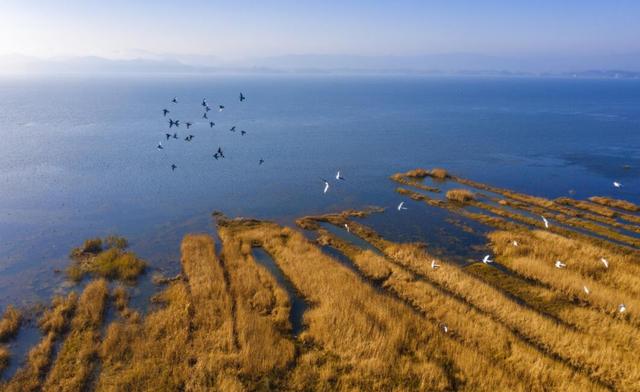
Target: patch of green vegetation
[[111, 262]]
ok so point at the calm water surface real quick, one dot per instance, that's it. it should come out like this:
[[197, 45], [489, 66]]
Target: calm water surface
[[79, 158]]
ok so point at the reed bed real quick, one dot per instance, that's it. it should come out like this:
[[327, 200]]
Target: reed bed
[[351, 326], [473, 327], [75, 362], [516, 221], [535, 259], [412, 179], [53, 324], [5, 355], [590, 354], [261, 313], [9, 326], [615, 203], [461, 196], [564, 214], [187, 344]]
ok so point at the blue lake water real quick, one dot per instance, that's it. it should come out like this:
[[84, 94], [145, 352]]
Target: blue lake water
[[79, 158]]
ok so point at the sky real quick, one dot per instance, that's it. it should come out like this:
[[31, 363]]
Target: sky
[[241, 29]]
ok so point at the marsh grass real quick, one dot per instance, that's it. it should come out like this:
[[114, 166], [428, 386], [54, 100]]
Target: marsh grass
[[615, 203], [4, 357], [472, 327], [112, 263], [439, 174], [53, 323], [461, 196], [587, 206], [10, 323], [556, 340], [382, 342], [91, 246], [76, 359]]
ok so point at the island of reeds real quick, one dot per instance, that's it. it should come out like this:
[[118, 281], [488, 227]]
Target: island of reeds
[[376, 315]]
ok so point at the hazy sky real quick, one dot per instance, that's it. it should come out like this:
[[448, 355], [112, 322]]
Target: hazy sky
[[232, 29]]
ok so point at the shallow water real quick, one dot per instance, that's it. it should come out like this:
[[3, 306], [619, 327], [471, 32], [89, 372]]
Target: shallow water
[[79, 157], [298, 305]]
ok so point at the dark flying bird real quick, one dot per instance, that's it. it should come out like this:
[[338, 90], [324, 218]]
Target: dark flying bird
[[174, 100], [174, 123], [207, 108], [216, 156], [261, 161], [175, 135], [168, 135], [220, 152], [204, 115], [220, 108], [233, 128], [211, 124], [173, 166], [189, 138], [188, 124], [165, 111], [242, 97], [160, 146], [204, 102], [243, 133]]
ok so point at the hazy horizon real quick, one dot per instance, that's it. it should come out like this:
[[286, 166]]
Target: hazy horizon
[[497, 35]]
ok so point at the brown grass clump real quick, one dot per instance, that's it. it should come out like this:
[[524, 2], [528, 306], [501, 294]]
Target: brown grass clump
[[615, 203], [440, 174], [417, 173], [57, 317], [4, 357], [76, 359], [10, 323], [461, 196]]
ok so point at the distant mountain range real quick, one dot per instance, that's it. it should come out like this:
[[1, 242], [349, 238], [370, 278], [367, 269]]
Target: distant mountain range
[[614, 66]]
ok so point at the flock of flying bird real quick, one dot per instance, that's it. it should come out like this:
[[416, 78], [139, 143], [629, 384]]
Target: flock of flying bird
[[218, 154]]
